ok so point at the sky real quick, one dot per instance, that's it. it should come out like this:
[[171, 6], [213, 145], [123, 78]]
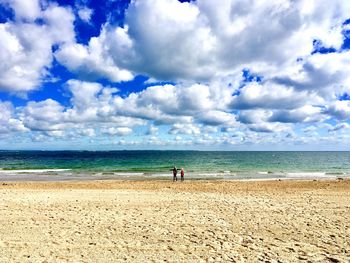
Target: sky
[[169, 74]]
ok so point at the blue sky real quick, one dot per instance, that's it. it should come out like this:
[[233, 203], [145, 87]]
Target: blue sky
[[169, 74]]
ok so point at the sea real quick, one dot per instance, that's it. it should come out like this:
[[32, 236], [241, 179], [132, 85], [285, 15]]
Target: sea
[[206, 165]]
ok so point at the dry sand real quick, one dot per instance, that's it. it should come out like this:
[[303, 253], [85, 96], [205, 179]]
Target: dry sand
[[158, 221]]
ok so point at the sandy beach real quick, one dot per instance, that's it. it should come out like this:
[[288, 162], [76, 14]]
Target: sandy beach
[[161, 221]]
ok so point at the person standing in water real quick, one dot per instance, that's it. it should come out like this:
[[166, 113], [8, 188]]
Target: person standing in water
[[182, 174], [174, 174]]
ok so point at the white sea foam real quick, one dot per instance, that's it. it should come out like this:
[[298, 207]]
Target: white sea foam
[[159, 174], [263, 172], [33, 171], [128, 174], [189, 175], [207, 175], [309, 175], [261, 179]]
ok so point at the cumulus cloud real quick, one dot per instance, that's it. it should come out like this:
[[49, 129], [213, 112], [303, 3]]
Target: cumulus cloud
[[339, 109], [216, 118], [86, 132], [269, 127], [94, 61], [95, 106], [322, 73], [254, 116], [119, 131], [276, 120], [169, 104], [47, 115], [303, 114], [24, 9], [340, 126], [26, 47], [201, 47], [235, 33], [207, 40], [85, 13], [212, 39], [91, 105], [8, 121], [97, 110], [180, 128], [152, 130], [271, 96], [57, 134]]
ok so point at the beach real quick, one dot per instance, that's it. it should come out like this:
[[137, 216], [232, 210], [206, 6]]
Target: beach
[[161, 221]]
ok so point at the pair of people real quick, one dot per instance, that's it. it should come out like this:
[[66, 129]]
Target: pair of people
[[182, 173]]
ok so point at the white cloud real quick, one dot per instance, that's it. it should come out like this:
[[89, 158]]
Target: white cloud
[[196, 97], [84, 94], [216, 117], [180, 128], [172, 45], [208, 39], [38, 138], [324, 74], [178, 138], [23, 57], [254, 116], [310, 129], [119, 131], [59, 24], [24, 9], [305, 114], [201, 47], [152, 130], [47, 115], [340, 126], [271, 96], [94, 61], [85, 13], [25, 47], [211, 39], [8, 121], [57, 134], [339, 109], [209, 129], [87, 132], [175, 104], [269, 127], [95, 107], [275, 120]]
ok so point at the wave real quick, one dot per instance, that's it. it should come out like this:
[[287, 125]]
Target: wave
[[126, 174], [336, 173], [265, 172], [225, 172], [33, 171], [63, 174], [310, 175]]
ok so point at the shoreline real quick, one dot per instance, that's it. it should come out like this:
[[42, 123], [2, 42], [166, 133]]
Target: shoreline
[[56, 177], [156, 184]]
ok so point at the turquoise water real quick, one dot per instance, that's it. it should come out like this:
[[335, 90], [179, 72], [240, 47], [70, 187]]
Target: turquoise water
[[197, 164]]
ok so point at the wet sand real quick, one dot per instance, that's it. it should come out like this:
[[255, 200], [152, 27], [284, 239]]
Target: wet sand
[[160, 221]]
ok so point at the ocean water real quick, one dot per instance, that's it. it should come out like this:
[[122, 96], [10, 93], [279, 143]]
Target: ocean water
[[67, 165]]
